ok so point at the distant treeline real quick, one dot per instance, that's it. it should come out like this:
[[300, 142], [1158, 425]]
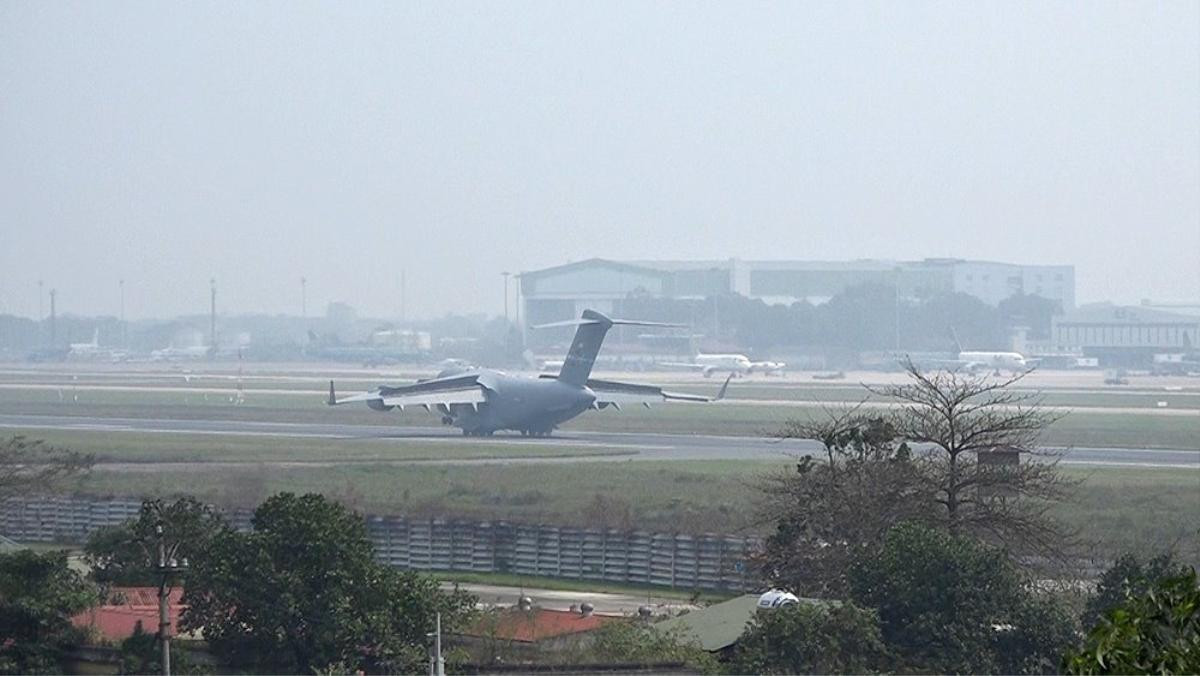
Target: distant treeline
[[862, 318]]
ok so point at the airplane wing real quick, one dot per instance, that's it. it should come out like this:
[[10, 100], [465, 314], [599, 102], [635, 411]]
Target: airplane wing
[[459, 389], [614, 393]]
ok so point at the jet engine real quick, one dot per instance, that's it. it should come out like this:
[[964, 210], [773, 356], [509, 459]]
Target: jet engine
[[378, 405]]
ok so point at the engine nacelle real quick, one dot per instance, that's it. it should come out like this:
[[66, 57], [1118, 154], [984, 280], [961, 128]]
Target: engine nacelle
[[378, 405]]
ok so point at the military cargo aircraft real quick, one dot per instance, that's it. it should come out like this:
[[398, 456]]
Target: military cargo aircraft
[[482, 401]]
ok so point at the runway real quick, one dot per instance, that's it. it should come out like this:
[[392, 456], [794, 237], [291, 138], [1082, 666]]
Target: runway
[[631, 446]]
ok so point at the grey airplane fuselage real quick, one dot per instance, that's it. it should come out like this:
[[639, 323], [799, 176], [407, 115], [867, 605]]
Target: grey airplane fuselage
[[529, 405]]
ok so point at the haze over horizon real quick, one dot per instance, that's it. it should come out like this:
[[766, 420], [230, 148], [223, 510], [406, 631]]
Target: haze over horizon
[[260, 142]]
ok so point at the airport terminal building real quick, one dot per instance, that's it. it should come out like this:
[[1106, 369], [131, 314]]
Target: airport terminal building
[[562, 292]]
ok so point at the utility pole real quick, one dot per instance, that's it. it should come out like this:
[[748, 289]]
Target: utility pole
[[303, 298], [167, 568], [517, 307], [437, 663], [212, 319], [124, 334], [507, 349], [897, 311], [53, 318]]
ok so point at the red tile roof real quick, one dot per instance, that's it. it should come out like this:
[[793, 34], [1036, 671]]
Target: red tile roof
[[530, 626], [125, 608]]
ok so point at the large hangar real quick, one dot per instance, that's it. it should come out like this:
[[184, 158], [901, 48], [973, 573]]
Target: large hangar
[[1133, 336], [562, 292]]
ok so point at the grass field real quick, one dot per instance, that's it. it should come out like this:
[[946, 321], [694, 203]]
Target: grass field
[[138, 447], [1116, 509]]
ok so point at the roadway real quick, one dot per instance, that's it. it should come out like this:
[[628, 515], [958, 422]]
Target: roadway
[[629, 446]]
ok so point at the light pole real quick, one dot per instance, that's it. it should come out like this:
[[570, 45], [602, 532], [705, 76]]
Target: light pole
[[506, 275], [167, 567], [212, 318], [437, 663], [124, 335]]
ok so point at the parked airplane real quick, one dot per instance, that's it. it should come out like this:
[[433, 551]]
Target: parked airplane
[[481, 401], [734, 364], [92, 351], [181, 353], [86, 349], [975, 360]]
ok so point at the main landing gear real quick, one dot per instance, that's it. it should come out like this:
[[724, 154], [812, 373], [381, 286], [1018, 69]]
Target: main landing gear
[[539, 433]]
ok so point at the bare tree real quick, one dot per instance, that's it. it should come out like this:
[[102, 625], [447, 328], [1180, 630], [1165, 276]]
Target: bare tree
[[953, 451], [978, 441], [30, 466]]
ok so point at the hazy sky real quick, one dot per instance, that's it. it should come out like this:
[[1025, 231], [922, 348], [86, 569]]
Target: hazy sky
[[167, 143]]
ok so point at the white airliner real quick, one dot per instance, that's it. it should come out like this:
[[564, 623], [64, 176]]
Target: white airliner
[[977, 360], [181, 353], [87, 349], [737, 364], [1009, 361]]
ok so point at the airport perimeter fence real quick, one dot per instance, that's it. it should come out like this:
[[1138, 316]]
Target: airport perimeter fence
[[713, 562]]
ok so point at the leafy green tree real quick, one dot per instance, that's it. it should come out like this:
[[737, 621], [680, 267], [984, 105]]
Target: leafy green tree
[[38, 595], [644, 644], [1156, 632], [829, 511], [128, 554], [807, 638], [950, 604], [303, 592], [1128, 577]]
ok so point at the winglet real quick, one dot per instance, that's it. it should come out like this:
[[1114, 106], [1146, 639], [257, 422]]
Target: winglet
[[332, 397], [720, 394]]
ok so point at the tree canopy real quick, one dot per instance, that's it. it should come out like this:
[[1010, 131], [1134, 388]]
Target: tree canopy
[[38, 595], [127, 554], [952, 605], [1155, 632], [810, 638], [303, 592]]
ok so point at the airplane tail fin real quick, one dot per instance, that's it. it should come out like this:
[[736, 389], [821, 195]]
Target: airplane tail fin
[[593, 326]]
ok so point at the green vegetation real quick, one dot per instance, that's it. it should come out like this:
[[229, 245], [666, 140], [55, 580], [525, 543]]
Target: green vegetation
[[303, 593], [566, 584], [158, 447], [38, 595], [811, 638], [949, 604], [692, 497], [1156, 631], [1117, 509]]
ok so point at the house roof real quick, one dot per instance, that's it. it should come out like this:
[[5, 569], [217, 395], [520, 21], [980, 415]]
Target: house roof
[[531, 626], [127, 607], [717, 626]]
